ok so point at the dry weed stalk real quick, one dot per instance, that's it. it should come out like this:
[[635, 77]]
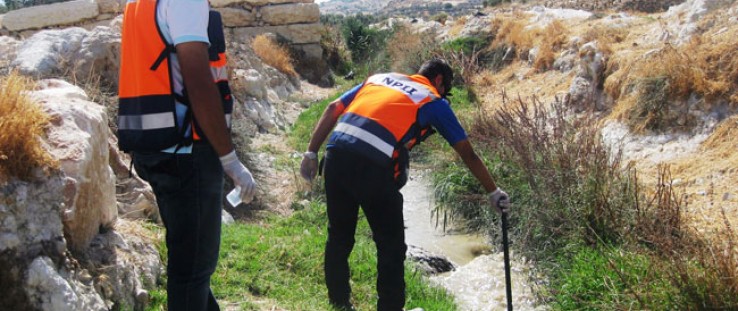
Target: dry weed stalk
[[23, 122], [273, 54]]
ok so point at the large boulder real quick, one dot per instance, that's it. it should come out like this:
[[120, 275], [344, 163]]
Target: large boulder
[[79, 140], [56, 14], [74, 52], [8, 48], [30, 226], [55, 289]]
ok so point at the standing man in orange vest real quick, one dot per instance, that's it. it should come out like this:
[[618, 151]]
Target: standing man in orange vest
[[168, 80], [366, 164]]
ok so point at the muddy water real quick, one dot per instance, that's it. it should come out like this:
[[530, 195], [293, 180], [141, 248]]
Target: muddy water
[[478, 284]]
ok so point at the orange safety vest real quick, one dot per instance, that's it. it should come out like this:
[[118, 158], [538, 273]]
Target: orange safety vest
[[381, 122], [147, 119]]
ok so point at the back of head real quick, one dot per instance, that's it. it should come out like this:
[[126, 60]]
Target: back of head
[[436, 66]]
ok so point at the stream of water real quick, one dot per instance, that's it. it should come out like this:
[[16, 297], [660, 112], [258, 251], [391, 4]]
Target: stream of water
[[478, 283]]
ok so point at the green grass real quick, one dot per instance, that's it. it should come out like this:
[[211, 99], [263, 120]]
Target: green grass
[[282, 260], [299, 135], [610, 279]]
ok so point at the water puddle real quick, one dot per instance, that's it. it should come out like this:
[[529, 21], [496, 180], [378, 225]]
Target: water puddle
[[479, 280]]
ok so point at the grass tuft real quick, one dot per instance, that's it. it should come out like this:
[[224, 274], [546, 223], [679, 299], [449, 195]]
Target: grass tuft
[[23, 122], [274, 54]]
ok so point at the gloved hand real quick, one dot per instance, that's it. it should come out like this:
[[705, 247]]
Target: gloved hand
[[240, 176], [499, 199], [309, 165]]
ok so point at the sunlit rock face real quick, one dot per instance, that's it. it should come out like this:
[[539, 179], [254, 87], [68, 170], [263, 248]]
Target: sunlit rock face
[[79, 140]]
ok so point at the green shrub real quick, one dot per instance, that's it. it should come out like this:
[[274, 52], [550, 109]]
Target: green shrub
[[363, 41]]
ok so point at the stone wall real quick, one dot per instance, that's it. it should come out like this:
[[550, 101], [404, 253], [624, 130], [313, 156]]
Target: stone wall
[[649, 6], [294, 22]]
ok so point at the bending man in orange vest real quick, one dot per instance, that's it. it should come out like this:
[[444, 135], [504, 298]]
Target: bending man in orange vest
[[173, 112], [366, 160]]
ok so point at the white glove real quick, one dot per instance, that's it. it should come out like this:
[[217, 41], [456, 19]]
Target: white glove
[[240, 176], [499, 199], [309, 165]]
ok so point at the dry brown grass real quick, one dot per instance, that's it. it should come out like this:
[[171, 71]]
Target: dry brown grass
[[725, 137], [273, 54], [22, 123], [457, 27], [704, 67], [553, 39], [511, 31]]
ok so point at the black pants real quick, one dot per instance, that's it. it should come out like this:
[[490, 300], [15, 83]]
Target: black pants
[[352, 181], [188, 189]]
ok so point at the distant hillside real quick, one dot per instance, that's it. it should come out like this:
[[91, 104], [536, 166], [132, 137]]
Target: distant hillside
[[410, 8]]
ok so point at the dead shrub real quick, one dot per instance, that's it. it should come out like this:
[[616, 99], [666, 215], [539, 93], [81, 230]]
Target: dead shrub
[[704, 269], [553, 38], [407, 49], [23, 122], [273, 54], [573, 188], [511, 32]]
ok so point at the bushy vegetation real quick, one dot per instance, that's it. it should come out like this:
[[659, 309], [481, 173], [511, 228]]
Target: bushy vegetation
[[23, 123], [586, 219], [274, 54]]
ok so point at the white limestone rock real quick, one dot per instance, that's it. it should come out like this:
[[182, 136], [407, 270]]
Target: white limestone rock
[[55, 14], [53, 292], [78, 138]]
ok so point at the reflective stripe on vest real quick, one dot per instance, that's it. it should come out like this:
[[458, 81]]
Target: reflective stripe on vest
[[379, 119], [146, 115]]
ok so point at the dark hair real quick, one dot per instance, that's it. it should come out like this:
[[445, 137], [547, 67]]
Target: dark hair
[[436, 66]]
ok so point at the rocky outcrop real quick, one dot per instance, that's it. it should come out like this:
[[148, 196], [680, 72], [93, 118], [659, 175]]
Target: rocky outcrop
[[648, 6], [31, 227], [585, 92], [43, 219], [79, 140], [76, 52]]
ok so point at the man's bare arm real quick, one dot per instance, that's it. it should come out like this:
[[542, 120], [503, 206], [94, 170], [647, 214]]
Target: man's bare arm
[[204, 95], [475, 164]]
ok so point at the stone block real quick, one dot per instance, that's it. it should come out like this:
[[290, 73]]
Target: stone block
[[286, 14], [237, 17], [295, 34], [56, 14]]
